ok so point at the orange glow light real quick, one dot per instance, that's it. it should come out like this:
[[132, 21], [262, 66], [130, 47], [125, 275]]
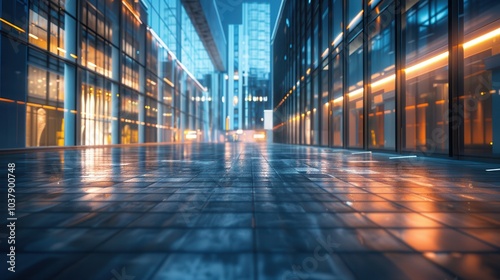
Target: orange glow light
[[12, 25], [325, 52], [355, 19], [427, 62], [357, 92], [337, 39], [384, 81], [134, 13], [6, 100], [482, 38], [168, 82], [338, 99]]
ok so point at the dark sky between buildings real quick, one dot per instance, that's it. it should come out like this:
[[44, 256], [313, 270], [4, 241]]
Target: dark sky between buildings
[[230, 11]]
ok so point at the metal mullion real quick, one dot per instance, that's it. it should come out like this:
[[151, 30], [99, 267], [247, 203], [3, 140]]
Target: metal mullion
[[345, 58], [455, 77], [366, 65], [400, 76]]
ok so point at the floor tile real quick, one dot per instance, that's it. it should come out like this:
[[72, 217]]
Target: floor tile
[[251, 211]]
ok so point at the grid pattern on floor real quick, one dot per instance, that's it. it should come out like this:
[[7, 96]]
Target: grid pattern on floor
[[251, 211]]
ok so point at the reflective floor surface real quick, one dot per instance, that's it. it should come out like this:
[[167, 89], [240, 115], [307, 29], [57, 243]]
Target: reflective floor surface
[[249, 211]]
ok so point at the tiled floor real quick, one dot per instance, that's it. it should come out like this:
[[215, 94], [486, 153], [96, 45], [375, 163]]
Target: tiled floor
[[248, 211]]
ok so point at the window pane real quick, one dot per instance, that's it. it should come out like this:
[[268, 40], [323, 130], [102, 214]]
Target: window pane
[[95, 111], [381, 112], [337, 102], [354, 13], [337, 22], [355, 93], [482, 78], [38, 28], [426, 100], [314, 111]]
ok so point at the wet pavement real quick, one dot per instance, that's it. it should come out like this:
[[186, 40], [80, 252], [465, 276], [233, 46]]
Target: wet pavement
[[249, 211]]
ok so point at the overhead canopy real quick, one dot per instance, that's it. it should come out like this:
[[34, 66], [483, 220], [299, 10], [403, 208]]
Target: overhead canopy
[[206, 21]]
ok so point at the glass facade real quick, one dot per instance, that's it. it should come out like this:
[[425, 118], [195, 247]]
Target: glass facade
[[420, 75], [101, 72]]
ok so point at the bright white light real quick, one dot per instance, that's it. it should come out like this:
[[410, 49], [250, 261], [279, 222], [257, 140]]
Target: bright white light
[[491, 170], [360, 153], [403, 157], [191, 135]]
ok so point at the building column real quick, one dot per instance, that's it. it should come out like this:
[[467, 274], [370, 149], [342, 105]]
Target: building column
[[214, 106], [183, 106], [115, 113], [229, 117], [455, 77], [70, 90], [223, 99], [207, 133], [159, 115], [142, 113], [495, 125], [142, 103]]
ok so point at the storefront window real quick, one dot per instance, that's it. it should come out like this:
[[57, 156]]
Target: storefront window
[[129, 118], [44, 126], [45, 101], [95, 110], [151, 109]]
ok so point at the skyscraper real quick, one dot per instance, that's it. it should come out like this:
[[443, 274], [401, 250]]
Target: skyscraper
[[108, 72], [419, 77], [248, 91]]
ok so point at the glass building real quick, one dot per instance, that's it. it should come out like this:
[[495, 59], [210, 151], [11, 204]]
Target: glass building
[[413, 76], [94, 72], [249, 55]]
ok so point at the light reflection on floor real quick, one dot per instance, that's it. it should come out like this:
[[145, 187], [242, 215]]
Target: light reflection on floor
[[251, 211]]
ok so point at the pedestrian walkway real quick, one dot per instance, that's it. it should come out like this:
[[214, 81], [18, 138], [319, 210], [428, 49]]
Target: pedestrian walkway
[[250, 211]]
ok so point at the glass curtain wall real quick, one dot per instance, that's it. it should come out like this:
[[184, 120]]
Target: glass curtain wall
[[96, 72], [384, 75]]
